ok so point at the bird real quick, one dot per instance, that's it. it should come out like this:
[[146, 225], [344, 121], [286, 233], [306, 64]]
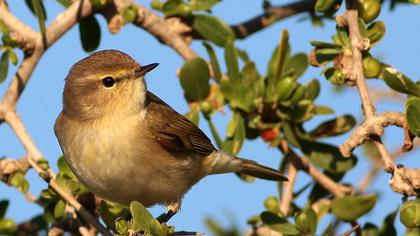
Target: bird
[[125, 144]]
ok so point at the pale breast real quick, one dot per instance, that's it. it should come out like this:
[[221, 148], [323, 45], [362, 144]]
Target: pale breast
[[122, 162]]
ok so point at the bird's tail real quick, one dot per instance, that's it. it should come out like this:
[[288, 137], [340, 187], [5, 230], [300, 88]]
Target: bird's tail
[[223, 163], [252, 168]]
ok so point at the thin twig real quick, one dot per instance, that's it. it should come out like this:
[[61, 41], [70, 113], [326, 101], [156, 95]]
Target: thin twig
[[287, 196], [355, 228], [270, 16], [302, 163]]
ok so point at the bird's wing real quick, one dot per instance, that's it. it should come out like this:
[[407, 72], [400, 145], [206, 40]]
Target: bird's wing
[[172, 130]]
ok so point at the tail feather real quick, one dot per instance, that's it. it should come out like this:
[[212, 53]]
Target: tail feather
[[254, 169], [221, 163]]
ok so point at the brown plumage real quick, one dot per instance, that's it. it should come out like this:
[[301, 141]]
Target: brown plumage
[[126, 144]]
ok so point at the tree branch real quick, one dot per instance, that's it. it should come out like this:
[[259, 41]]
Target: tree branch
[[359, 44], [270, 16], [20, 32], [302, 163]]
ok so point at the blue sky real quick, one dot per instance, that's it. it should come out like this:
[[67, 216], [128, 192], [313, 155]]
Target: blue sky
[[220, 196]]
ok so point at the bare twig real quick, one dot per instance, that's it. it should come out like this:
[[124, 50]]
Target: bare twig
[[287, 196], [355, 228], [406, 181], [376, 167], [302, 163], [359, 44], [272, 15], [374, 126]]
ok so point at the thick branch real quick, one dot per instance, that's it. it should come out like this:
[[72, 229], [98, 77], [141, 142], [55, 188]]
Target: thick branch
[[270, 16], [406, 181], [152, 23], [20, 32], [374, 126], [359, 44]]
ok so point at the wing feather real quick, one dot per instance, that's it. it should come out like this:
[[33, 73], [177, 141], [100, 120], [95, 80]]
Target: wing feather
[[173, 131]]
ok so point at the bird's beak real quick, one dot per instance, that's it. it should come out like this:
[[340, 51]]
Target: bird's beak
[[142, 70]]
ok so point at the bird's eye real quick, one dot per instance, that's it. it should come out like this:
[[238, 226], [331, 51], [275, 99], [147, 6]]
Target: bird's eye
[[108, 81]]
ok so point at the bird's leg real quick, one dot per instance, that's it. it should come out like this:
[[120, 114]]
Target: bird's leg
[[173, 208]]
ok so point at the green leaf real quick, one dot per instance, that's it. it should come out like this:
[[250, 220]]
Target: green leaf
[[64, 3], [239, 137], [298, 63], [214, 132], [388, 227], [110, 212], [278, 224], [3, 208], [213, 29], [334, 76], [12, 56], [350, 208], [319, 44], [3, 28], [8, 226], [31, 7], [195, 79], [375, 32], [328, 157], [99, 4], [143, 220], [16, 179], [370, 229], [240, 93], [194, 116], [271, 204], [39, 10], [231, 58], [410, 213], [202, 5], [325, 55], [233, 124], [334, 127], [312, 89], [141, 216], [59, 209], [129, 14], [323, 110], [399, 82], [282, 90], [213, 61], [290, 134], [171, 8], [64, 168], [306, 221], [412, 115], [90, 33], [121, 226], [280, 53], [301, 112], [343, 37], [4, 66]]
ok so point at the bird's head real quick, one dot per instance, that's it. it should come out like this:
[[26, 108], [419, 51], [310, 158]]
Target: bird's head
[[106, 83]]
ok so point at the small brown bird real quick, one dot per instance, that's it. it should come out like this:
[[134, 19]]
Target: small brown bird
[[125, 144]]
